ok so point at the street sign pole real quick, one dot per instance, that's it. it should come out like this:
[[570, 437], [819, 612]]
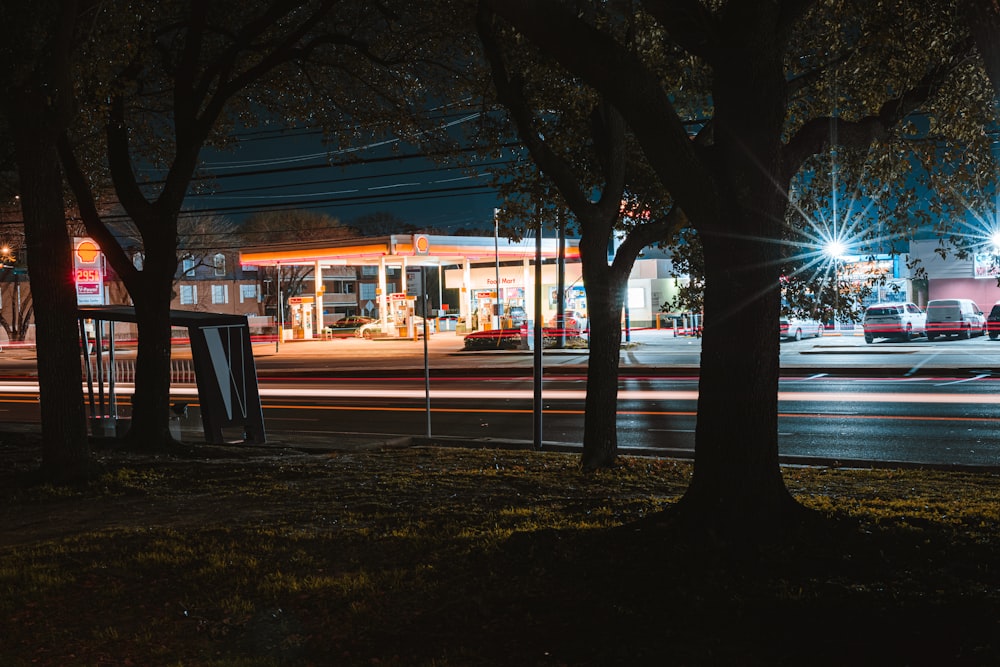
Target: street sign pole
[[427, 333], [539, 337]]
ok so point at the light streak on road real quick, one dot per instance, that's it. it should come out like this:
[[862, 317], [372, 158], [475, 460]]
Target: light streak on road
[[569, 394]]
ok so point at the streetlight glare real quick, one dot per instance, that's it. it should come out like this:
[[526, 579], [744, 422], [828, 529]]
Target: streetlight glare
[[834, 249], [995, 241]]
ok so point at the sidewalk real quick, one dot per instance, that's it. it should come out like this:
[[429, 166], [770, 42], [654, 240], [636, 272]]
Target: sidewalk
[[445, 351]]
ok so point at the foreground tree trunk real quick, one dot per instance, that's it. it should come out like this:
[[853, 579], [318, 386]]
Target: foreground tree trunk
[[152, 294], [604, 310], [65, 447], [37, 108], [737, 483]]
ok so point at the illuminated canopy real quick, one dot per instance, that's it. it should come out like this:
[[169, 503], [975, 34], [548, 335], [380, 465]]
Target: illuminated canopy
[[417, 249]]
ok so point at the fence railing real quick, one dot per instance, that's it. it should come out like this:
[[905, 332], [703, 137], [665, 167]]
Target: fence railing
[[181, 371]]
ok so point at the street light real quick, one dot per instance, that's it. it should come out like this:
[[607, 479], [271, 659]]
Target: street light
[[834, 250], [995, 241]]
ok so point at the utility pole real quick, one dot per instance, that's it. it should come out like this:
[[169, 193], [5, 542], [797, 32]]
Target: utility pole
[[539, 339], [497, 306], [561, 270]]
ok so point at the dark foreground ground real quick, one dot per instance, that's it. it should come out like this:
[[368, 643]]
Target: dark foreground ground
[[442, 557]]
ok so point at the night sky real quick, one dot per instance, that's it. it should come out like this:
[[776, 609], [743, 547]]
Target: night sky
[[294, 170]]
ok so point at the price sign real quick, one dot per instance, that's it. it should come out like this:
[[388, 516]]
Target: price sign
[[88, 270], [88, 276]]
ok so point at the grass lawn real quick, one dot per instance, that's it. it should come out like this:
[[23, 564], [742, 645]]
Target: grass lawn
[[441, 557]]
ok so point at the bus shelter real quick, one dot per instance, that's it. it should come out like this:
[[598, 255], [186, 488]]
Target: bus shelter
[[225, 372]]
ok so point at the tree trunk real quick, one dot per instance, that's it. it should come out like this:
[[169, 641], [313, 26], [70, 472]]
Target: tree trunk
[[65, 447], [152, 296], [737, 488], [737, 483], [600, 438]]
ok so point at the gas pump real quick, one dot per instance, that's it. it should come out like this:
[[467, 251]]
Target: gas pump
[[301, 308], [400, 314], [410, 318], [486, 310]]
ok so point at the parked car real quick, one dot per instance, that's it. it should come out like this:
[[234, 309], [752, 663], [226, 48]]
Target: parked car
[[573, 320], [900, 321], [993, 322], [494, 339], [374, 329], [958, 317], [794, 328], [348, 326]]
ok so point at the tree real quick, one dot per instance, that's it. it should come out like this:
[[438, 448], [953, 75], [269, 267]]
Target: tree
[[595, 158], [785, 80], [381, 223], [181, 76], [36, 89]]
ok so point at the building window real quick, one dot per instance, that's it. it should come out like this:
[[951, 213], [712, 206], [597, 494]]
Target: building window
[[220, 293], [189, 295], [343, 287], [249, 293], [367, 290], [219, 263], [369, 270], [187, 265]]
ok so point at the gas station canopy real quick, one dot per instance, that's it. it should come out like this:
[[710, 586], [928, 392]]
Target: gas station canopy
[[482, 298], [417, 249]]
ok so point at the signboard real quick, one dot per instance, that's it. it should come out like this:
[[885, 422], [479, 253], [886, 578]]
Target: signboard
[[421, 244], [413, 282], [985, 265], [88, 272], [294, 300]]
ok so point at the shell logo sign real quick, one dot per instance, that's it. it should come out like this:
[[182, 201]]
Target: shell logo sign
[[421, 244], [88, 272], [87, 251]]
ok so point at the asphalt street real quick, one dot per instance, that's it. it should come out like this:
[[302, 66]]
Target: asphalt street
[[650, 349], [647, 352]]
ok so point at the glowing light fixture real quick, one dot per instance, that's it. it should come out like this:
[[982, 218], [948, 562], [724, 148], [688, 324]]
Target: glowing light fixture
[[834, 249]]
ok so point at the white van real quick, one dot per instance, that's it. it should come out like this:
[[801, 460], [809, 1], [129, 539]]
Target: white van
[[958, 317]]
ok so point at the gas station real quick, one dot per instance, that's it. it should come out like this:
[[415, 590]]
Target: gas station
[[494, 276]]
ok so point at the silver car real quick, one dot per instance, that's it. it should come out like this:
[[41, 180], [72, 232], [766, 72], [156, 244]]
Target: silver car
[[794, 328], [899, 321]]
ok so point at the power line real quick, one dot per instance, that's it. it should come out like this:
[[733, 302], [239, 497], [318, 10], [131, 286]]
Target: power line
[[433, 193], [348, 163], [348, 179]]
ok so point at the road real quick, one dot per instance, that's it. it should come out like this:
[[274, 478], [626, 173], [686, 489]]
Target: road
[[925, 420], [840, 399]]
